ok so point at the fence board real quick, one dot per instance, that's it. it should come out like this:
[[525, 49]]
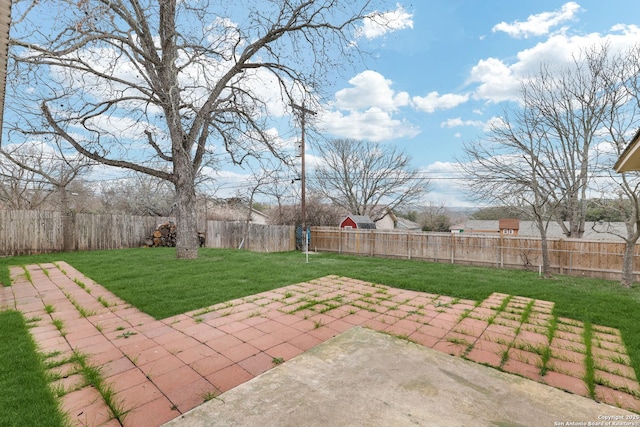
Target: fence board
[[600, 259], [258, 237], [31, 232]]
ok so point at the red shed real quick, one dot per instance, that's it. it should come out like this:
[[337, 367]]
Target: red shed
[[357, 221]]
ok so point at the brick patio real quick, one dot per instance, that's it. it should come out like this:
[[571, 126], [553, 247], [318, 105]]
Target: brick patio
[[159, 369]]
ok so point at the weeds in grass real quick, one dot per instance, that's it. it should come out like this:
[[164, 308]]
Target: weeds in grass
[[499, 310], [58, 390], [527, 312], [82, 285], [93, 377], [328, 307], [59, 268], [457, 340], [83, 311], [619, 359], [59, 324], [403, 337], [589, 375], [202, 312], [27, 274], [127, 334], [209, 396], [552, 326], [464, 315]]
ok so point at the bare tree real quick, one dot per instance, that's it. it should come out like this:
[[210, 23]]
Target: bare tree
[[365, 178], [138, 194], [507, 168], [557, 144], [128, 82], [435, 217], [46, 165], [21, 188], [621, 123], [318, 213], [571, 103]]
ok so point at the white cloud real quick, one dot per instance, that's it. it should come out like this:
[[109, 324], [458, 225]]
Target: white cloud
[[447, 185], [434, 101], [540, 24], [378, 24], [374, 124], [493, 123], [458, 122], [370, 89], [498, 81]]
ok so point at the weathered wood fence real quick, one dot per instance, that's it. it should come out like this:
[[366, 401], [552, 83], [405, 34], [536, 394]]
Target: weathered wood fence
[[31, 232], [257, 238], [600, 259]]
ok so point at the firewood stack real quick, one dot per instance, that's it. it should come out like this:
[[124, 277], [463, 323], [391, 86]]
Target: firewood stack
[[165, 235]]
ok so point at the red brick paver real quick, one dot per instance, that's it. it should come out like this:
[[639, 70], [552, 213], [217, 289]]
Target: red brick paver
[[159, 369]]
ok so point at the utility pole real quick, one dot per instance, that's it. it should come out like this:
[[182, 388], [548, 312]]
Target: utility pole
[[303, 112]]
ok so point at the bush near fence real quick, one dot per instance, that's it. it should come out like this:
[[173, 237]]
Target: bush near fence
[[599, 259], [24, 232]]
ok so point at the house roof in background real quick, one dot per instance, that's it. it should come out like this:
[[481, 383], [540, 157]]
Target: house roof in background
[[630, 159], [361, 220], [609, 231], [405, 224]]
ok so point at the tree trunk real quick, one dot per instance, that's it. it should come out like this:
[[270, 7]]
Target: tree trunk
[[627, 278], [544, 246], [187, 242], [68, 222]]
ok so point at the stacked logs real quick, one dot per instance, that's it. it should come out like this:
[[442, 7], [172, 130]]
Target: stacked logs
[[165, 235]]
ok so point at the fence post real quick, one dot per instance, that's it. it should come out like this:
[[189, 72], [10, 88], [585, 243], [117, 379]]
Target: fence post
[[453, 248], [561, 255], [408, 245], [372, 239]]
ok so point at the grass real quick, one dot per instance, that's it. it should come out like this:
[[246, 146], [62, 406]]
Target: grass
[[217, 276], [25, 399], [93, 377]]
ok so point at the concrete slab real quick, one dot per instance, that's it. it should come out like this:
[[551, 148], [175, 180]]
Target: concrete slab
[[366, 378]]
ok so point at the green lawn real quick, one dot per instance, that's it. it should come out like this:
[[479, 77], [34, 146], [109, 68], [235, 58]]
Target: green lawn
[[154, 281], [25, 398]]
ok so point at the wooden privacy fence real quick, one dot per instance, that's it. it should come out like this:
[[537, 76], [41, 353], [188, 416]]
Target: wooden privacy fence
[[600, 259], [257, 237], [30, 232]]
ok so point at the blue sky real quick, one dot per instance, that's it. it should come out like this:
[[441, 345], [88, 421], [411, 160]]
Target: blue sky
[[435, 76], [437, 80]]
